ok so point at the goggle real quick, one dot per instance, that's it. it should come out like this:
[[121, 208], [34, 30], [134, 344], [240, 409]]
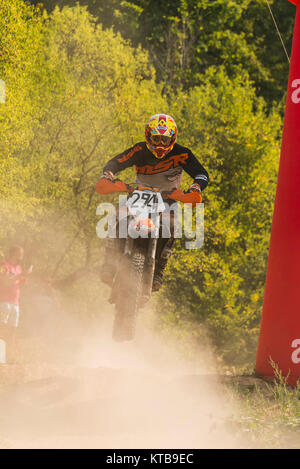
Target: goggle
[[165, 140]]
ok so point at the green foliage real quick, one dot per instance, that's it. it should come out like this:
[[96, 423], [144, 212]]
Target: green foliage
[[221, 285], [270, 413], [185, 37], [83, 85], [78, 93], [21, 40]]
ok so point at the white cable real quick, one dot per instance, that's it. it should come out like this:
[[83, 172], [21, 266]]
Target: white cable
[[287, 55]]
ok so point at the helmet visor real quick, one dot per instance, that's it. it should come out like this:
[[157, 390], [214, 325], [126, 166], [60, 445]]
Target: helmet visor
[[164, 140]]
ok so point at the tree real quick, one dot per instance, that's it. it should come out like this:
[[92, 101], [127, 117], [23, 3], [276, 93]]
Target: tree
[[220, 286], [21, 40], [93, 83], [185, 37]]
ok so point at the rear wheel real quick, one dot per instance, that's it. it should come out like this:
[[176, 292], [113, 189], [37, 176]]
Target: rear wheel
[[128, 288]]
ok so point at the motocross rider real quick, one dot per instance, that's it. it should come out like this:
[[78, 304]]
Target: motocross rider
[[159, 163]]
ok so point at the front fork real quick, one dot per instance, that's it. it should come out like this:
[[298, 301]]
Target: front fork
[[150, 256], [149, 267]]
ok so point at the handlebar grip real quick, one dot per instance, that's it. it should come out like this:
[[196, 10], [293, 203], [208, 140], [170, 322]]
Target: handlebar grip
[[193, 197], [105, 186]]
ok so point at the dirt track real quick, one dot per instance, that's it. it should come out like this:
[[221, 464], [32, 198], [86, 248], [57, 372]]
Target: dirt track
[[112, 408], [142, 394]]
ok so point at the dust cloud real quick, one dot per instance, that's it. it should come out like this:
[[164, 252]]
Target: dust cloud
[[95, 393]]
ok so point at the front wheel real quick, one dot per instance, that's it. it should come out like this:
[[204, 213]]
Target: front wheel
[[128, 284]]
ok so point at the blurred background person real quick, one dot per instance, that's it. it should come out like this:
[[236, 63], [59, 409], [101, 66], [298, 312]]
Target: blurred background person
[[12, 279]]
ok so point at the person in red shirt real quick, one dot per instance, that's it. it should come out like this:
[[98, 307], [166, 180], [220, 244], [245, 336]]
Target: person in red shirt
[[11, 281]]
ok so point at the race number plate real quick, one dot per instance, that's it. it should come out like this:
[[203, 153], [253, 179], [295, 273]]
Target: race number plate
[[143, 202]]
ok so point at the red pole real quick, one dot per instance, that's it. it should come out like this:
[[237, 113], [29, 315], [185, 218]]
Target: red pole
[[279, 337]]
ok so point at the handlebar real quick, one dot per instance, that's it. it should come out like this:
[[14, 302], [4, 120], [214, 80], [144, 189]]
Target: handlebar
[[105, 186]]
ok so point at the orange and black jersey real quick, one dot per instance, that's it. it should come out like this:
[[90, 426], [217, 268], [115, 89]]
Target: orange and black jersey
[[164, 173]]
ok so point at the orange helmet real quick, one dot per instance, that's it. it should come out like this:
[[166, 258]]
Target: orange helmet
[[160, 134]]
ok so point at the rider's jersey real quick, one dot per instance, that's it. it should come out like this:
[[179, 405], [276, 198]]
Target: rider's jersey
[[164, 173]]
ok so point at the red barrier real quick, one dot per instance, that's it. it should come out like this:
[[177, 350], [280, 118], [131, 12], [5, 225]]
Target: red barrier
[[279, 337]]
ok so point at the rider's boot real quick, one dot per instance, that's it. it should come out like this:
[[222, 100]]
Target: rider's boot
[[161, 265]]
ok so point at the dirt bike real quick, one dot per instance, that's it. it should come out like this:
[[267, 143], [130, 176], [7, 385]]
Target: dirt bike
[[132, 285]]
